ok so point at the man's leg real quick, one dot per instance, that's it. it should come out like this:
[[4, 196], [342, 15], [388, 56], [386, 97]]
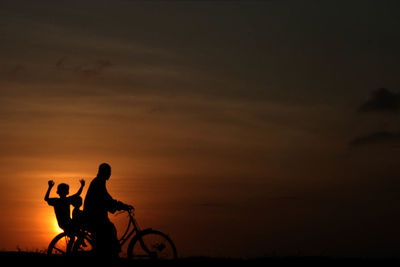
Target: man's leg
[[113, 242]]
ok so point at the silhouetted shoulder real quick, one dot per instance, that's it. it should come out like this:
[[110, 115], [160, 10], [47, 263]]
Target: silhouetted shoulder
[[53, 201]]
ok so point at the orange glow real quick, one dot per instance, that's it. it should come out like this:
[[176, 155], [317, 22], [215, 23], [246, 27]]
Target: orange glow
[[47, 225], [55, 229]]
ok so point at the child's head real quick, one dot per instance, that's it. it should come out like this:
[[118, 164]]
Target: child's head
[[63, 190], [76, 202]]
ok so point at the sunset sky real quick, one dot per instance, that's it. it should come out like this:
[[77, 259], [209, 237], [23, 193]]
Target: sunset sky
[[240, 128]]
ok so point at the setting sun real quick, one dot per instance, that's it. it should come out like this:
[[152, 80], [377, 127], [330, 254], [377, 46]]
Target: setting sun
[[47, 224], [55, 229]]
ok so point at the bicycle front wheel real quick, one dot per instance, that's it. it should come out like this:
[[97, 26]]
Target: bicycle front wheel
[[60, 245], [152, 244]]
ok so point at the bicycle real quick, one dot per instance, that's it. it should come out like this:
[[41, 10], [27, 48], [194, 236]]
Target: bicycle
[[144, 244]]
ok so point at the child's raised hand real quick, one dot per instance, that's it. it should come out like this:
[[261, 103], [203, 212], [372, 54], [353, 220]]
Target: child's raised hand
[[51, 183], [82, 182]]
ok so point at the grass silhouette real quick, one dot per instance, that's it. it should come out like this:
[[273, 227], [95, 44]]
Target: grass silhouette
[[25, 258]]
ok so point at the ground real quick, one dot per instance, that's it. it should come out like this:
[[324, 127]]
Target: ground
[[41, 259]]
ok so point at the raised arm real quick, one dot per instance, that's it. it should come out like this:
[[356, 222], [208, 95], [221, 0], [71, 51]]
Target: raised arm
[[51, 184], [80, 188]]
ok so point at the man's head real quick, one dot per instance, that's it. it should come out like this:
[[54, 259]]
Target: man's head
[[63, 190], [104, 171]]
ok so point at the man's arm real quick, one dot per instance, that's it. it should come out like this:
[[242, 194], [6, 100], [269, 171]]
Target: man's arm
[[51, 184], [123, 206], [114, 205]]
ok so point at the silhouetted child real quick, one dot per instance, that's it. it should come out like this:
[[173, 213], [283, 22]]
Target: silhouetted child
[[77, 214], [62, 204]]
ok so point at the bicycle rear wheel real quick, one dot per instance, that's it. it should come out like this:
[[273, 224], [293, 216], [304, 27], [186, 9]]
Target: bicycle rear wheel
[[60, 245], [152, 244]]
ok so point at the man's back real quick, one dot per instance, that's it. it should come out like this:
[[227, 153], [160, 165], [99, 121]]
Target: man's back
[[98, 202]]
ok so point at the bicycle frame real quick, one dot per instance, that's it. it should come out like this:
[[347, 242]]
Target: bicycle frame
[[128, 234]]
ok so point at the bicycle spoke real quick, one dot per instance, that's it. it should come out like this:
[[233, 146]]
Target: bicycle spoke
[[153, 245], [59, 250], [66, 242], [59, 245]]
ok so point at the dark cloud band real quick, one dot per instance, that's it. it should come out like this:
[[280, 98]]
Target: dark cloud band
[[382, 100]]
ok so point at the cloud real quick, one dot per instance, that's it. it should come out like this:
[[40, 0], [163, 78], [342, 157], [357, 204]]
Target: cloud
[[90, 69], [284, 198], [382, 137], [382, 100], [93, 69], [212, 204], [17, 70], [14, 72]]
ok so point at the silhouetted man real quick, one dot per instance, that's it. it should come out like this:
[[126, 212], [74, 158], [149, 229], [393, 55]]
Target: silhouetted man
[[96, 207]]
